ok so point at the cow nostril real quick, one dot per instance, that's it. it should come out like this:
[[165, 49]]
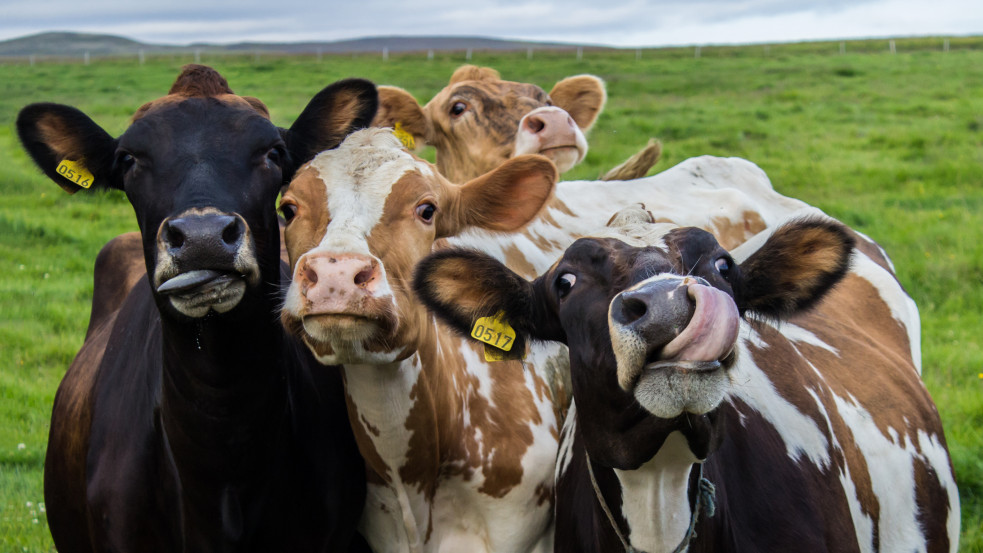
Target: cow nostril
[[631, 310], [535, 124], [310, 275], [364, 277], [173, 236], [233, 231]]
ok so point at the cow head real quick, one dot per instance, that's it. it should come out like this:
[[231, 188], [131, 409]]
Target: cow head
[[202, 168], [478, 120], [361, 216], [651, 329]]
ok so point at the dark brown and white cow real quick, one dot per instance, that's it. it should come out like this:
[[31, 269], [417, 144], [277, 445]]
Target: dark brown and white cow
[[460, 451], [479, 120], [188, 421], [816, 432]]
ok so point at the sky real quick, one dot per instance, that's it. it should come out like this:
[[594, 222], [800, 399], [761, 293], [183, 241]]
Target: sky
[[601, 22]]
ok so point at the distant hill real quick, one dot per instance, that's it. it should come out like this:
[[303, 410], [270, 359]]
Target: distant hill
[[77, 44]]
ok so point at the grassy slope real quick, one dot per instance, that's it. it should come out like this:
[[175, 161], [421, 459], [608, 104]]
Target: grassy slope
[[890, 144]]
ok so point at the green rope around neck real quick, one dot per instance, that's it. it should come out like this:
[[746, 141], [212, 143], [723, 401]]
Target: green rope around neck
[[705, 500]]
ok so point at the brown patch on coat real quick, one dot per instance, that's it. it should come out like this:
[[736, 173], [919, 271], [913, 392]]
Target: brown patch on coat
[[731, 235]]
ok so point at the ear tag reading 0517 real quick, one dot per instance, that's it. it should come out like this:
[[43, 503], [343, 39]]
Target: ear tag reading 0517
[[498, 337], [494, 332], [76, 172]]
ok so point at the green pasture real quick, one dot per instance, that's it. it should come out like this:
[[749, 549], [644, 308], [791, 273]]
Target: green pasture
[[890, 143]]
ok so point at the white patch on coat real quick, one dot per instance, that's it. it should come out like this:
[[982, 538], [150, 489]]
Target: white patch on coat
[[655, 497]]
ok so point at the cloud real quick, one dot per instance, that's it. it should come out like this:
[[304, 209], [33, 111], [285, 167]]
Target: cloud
[[630, 23]]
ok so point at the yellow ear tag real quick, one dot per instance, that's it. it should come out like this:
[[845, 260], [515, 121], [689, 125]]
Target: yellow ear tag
[[76, 172], [405, 137], [494, 331]]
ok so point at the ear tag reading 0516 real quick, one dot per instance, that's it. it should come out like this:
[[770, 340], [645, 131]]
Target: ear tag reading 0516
[[76, 172]]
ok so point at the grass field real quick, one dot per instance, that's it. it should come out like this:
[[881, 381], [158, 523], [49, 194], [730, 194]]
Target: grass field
[[891, 144]]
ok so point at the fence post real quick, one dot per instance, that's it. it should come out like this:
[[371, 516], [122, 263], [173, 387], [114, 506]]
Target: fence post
[[580, 53], [696, 52], [529, 53], [945, 45], [142, 57], [842, 48], [890, 46], [430, 54], [385, 53], [467, 56], [197, 55], [638, 54], [319, 52], [86, 57]]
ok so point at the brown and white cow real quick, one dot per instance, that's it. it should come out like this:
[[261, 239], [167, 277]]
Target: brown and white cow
[[460, 451], [693, 371], [188, 421], [479, 120]]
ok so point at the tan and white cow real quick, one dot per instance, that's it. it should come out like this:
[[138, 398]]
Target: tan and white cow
[[460, 451], [479, 120]]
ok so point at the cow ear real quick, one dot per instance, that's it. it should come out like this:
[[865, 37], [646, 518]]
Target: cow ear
[[792, 271], [330, 116], [504, 199], [582, 96], [400, 111], [69, 147], [461, 286]]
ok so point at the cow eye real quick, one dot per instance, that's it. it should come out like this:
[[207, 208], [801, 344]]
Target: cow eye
[[288, 210], [426, 211], [565, 283], [275, 156], [722, 265], [457, 108], [125, 161]]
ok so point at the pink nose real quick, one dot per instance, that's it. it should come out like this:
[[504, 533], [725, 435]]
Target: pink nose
[[334, 283], [547, 121]]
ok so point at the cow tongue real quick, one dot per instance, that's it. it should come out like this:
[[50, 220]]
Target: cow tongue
[[711, 332]]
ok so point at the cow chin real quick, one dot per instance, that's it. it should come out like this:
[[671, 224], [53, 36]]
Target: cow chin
[[668, 390], [220, 296], [340, 338], [564, 157]]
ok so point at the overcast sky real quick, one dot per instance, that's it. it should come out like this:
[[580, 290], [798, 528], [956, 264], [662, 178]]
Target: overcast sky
[[616, 23]]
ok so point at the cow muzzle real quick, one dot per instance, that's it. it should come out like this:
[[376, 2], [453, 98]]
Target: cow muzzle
[[206, 260], [674, 339], [342, 305], [551, 132]]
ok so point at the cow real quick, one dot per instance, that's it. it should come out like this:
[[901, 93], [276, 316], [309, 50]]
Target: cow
[[189, 421], [460, 454], [765, 399], [479, 120]]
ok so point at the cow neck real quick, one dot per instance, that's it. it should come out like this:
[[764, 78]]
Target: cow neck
[[223, 408], [654, 499], [401, 412]]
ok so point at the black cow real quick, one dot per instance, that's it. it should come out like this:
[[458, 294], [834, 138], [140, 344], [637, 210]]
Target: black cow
[[188, 421], [695, 429]]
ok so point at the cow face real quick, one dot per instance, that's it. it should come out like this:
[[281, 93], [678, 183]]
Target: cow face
[[478, 121], [202, 168], [651, 330], [361, 216]]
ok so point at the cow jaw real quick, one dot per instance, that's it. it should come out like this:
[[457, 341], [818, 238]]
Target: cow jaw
[[673, 352]]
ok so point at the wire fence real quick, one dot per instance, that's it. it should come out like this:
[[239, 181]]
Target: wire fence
[[579, 52]]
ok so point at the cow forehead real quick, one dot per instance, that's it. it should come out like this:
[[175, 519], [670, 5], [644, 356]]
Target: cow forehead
[[358, 178], [485, 91], [229, 100]]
